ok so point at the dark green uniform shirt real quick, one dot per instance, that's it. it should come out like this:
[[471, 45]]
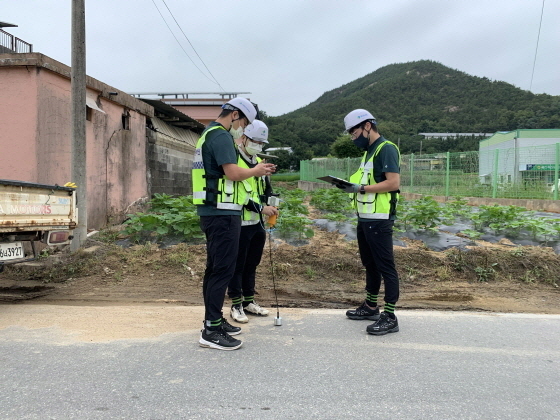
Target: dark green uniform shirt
[[218, 149]]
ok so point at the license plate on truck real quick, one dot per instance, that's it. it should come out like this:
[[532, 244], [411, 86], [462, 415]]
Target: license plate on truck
[[11, 251]]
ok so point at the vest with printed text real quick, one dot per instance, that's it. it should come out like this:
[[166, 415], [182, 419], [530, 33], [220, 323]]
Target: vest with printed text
[[258, 185], [229, 195], [373, 205]]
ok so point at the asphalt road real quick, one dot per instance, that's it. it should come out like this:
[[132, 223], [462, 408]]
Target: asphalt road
[[317, 365]]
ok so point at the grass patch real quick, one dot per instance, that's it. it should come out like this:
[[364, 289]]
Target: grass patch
[[285, 177]]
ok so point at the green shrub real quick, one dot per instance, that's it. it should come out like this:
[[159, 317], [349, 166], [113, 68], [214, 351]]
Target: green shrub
[[167, 215]]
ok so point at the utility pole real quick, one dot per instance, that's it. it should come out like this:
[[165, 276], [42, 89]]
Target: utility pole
[[78, 82]]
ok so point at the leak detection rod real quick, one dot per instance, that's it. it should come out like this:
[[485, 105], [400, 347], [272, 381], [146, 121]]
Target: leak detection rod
[[271, 224]]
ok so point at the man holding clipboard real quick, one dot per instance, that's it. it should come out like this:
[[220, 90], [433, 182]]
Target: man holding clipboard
[[374, 189]]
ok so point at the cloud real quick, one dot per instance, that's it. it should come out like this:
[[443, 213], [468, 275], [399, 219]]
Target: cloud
[[288, 53]]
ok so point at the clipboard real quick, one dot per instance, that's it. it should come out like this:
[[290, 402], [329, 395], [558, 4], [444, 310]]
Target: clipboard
[[266, 156], [334, 180]]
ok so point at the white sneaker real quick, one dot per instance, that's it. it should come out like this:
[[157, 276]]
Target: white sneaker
[[238, 315], [255, 309]]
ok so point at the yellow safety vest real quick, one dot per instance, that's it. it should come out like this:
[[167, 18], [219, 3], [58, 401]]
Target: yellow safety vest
[[229, 194], [258, 185], [372, 205]]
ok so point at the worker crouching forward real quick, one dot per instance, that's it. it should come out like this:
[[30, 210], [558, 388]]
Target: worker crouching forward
[[220, 190], [374, 192], [241, 289]]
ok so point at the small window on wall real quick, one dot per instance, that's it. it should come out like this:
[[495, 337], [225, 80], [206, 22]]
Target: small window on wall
[[126, 120], [88, 113]]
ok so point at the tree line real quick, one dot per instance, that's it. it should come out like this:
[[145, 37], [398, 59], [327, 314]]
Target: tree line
[[407, 99]]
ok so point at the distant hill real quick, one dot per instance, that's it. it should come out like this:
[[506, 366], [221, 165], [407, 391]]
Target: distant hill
[[420, 96]]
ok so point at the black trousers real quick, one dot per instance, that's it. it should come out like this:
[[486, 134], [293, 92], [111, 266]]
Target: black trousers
[[375, 240], [251, 245], [222, 244]]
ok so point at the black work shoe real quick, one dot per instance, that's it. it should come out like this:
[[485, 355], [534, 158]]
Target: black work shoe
[[230, 329], [218, 339], [384, 325], [363, 312]]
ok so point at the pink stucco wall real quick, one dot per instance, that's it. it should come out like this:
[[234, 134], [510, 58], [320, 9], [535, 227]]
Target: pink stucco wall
[[18, 121], [36, 146], [204, 114]]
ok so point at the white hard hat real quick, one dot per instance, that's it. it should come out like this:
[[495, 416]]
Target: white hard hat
[[257, 131], [357, 117], [244, 105]]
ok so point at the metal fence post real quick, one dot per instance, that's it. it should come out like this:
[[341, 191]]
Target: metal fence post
[[495, 173], [447, 175], [412, 172], [556, 170]]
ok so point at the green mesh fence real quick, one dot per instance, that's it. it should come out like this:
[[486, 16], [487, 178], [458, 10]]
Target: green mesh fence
[[522, 172]]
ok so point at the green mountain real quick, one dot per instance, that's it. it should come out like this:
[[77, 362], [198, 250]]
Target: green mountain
[[409, 98]]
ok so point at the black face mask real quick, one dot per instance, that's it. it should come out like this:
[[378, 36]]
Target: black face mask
[[361, 142]]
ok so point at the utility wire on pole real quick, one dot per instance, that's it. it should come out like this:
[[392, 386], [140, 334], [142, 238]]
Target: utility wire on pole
[[180, 45], [78, 83], [192, 46], [537, 47]]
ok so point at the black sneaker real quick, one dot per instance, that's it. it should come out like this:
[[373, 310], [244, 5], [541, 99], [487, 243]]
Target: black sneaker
[[363, 312], [230, 329], [384, 325], [218, 339]]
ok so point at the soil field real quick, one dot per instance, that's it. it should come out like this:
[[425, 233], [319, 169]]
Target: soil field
[[325, 273]]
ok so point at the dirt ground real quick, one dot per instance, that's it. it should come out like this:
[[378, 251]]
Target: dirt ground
[[325, 273]]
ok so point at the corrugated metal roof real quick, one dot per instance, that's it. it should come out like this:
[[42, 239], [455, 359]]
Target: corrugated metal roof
[[188, 137], [177, 118]]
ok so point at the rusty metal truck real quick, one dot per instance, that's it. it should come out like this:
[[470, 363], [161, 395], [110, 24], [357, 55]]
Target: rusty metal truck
[[30, 213]]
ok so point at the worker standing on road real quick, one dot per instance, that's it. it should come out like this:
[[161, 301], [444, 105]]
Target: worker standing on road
[[374, 192], [241, 289], [220, 197]]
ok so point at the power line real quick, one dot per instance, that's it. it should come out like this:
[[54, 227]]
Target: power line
[[192, 46], [537, 48], [194, 64]]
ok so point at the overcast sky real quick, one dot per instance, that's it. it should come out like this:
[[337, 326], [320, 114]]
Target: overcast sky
[[287, 53]]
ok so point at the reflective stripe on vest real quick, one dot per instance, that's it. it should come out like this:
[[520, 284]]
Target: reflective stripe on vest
[[371, 205], [258, 184], [229, 194]]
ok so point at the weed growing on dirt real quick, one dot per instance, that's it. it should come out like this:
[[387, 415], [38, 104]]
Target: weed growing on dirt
[[309, 272], [486, 273], [457, 259], [518, 252], [108, 236]]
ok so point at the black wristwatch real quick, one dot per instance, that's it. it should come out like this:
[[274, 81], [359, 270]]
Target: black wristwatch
[[362, 189]]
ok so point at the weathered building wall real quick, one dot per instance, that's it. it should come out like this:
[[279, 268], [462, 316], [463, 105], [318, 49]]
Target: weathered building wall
[[170, 156], [35, 106], [18, 124], [204, 114]]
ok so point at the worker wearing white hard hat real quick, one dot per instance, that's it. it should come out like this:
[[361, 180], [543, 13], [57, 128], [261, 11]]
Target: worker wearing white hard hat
[[219, 194], [373, 190], [241, 289]]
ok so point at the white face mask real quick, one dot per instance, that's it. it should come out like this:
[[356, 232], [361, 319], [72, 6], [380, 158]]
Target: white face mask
[[253, 148], [236, 133]]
